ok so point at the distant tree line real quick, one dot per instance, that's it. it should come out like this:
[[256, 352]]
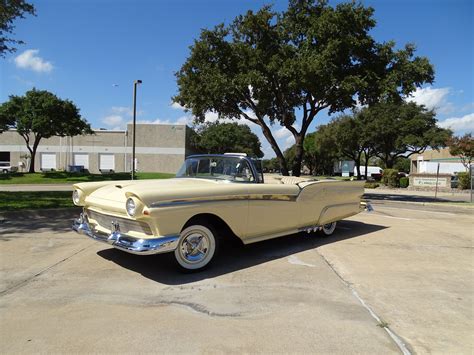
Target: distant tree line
[[386, 133]]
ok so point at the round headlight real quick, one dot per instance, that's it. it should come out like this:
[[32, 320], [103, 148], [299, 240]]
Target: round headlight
[[131, 207], [76, 197]]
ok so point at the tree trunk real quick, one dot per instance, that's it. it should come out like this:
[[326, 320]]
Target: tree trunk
[[33, 153], [268, 135], [389, 162], [367, 157], [357, 163], [32, 161], [296, 168]]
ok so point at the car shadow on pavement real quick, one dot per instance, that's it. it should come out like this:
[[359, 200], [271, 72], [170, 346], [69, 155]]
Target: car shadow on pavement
[[233, 257], [19, 223]]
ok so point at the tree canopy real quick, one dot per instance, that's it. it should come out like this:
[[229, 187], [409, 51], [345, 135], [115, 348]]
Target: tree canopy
[[403, 128], [40, 114], [463, 147], [285, 68], [9, 11], [391, 131], [220, 138]]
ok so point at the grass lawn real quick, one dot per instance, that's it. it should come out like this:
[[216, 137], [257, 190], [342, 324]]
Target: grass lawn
[[60, 177], [12, 201], [344, 178]]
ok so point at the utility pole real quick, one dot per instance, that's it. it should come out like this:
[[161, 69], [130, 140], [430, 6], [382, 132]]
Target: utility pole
[[135, 83]]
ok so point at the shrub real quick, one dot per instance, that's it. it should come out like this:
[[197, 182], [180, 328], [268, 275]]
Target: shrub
[[404, 182], [464, 181], [390, 177], [371, 185]]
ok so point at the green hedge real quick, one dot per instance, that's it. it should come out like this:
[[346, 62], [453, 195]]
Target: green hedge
[[390, 177], [404, 182], [464, 181]]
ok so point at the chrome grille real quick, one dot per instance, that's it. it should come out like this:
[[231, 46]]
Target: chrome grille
[[126, 225]]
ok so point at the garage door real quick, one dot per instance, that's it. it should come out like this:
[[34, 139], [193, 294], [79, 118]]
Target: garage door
[[106, 162], [81, 159], [48, 161]]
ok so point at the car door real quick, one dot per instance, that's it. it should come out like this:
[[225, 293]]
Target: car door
[[272, 210]]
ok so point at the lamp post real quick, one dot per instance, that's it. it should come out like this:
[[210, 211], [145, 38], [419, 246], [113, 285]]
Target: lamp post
[[135, 83]]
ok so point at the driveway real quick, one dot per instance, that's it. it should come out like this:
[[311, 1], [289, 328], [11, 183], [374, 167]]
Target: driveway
[[406, 269]]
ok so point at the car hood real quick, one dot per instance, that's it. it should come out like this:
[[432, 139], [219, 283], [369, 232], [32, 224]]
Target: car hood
[[152, 191]]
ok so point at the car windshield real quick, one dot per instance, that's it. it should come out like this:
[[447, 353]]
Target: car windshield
[[217, 168]]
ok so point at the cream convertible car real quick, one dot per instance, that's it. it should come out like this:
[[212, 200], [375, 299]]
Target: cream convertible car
[[211, 198]]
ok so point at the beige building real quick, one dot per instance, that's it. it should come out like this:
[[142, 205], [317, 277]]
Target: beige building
[[427, 162], [159, 148]]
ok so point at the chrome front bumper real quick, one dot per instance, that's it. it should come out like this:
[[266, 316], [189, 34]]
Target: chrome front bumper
[[126, 242]]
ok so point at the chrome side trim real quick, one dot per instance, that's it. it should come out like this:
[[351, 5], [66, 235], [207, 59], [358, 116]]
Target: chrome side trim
[[126, 242], [252, 197]]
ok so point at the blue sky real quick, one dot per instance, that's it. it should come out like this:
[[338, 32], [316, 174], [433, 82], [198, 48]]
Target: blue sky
[[92, 51]]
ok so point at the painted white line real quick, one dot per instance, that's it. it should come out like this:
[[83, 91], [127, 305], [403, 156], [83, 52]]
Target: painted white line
[[392, 335], [293, 259], [402, 218], [424, 211], [401, 345]]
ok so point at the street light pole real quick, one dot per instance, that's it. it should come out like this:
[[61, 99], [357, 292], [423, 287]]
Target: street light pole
[[135, 83]]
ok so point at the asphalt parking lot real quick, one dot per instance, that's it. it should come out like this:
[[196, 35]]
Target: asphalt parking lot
[[397, 279]]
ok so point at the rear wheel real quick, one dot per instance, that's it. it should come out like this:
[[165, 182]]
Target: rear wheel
[[329, 228], [196, 247]]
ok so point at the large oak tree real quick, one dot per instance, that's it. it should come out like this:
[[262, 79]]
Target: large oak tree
[[10, 10], [40, 114], [285, 68]]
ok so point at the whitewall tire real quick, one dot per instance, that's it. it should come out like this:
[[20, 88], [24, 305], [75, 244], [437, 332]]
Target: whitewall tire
[[196, 247], [328, 229]]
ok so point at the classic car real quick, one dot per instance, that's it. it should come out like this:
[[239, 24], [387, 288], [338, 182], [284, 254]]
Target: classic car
[[212, 198]]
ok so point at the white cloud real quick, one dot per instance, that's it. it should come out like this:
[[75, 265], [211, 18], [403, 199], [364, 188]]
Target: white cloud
[[459, 124], [184, 120], [29, 59], [432, 98], [113, 120], [177, 106], [281, 133], [123, 110]]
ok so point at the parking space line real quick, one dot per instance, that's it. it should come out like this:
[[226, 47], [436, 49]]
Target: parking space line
[[398, 341]]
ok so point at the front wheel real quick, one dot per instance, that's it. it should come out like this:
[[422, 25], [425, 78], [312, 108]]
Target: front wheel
[[328, 229], [196, 247]]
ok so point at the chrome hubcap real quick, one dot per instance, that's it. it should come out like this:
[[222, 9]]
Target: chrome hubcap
[[194, 247], [329, 227]]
